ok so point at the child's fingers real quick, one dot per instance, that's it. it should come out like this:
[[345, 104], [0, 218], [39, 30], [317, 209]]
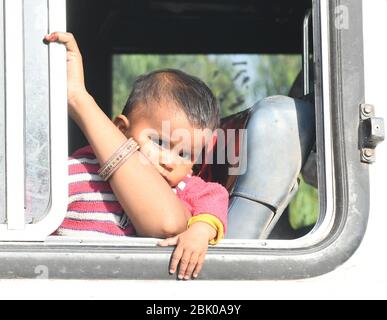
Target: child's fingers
[[191, 266], [199, 265], [176, 256], [185, 259], [169, 242], [65, 38]]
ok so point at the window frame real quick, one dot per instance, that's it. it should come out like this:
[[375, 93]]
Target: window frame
[[343, 185], [2, 118], [15, 228]]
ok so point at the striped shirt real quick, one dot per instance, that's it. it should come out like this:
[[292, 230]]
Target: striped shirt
[[93, 210]]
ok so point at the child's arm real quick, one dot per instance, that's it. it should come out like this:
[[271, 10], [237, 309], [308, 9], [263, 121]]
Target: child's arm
[[151, 205], [208, 204]]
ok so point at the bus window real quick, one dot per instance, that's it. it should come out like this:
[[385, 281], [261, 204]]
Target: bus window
[[239, 81], [240, 62], [33, 151], [37, 108], [115, 39]]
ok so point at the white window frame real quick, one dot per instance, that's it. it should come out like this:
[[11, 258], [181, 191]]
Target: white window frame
[[15, 228]]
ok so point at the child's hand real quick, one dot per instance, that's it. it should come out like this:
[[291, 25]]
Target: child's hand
[[191, 249], [75, 76]]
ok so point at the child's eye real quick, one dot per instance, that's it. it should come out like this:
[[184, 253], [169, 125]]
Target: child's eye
[[160, 142], [185, 155]]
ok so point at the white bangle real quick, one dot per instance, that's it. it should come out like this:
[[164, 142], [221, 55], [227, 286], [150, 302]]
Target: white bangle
[[118, 158]]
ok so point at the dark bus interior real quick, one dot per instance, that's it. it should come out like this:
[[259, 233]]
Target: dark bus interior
[[103, 28]]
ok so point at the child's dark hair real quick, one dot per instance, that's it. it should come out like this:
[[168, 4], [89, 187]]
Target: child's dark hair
[[190, 94]]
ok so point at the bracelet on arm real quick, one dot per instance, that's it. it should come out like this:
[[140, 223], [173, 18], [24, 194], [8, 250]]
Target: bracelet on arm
[[118, 158], [213, 222]]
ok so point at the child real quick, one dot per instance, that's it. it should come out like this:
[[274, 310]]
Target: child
[[153, 186]]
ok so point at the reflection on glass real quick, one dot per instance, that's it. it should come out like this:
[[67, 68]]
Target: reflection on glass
[[237, 80], [2, 119], [37, 151]]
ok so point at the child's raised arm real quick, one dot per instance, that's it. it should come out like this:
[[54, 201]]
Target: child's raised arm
[[146, 197]]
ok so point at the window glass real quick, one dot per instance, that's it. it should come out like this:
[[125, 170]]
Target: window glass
[[238, 81], [2, 118], [37, 149]]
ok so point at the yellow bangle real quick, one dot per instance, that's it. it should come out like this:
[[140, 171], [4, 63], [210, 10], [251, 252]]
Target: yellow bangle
[[213, 222]]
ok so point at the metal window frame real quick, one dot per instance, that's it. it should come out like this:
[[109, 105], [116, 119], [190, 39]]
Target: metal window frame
[[14, 123], [343, 182], [15, 229], [2, 114]]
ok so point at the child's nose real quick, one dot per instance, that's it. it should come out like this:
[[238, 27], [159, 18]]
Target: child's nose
[[167, 159]]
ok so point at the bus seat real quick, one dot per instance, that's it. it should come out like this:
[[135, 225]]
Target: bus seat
[[280, 136]]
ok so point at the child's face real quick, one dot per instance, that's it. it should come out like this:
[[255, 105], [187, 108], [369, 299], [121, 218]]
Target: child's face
[[166, 138]]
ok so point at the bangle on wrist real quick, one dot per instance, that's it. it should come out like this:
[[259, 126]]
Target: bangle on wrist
[[118, 158], [213, 222]]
